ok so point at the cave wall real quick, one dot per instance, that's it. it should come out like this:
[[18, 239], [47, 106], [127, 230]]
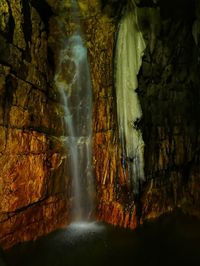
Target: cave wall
[[35, 197], [169, 94], [32, 201], [34, 184], [99, 27]]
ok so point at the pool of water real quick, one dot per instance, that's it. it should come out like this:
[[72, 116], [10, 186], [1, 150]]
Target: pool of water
[[171, 240]]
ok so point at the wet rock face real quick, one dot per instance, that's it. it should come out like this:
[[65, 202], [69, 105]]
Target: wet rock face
[[169, 94], [30, 123], [100, 32]]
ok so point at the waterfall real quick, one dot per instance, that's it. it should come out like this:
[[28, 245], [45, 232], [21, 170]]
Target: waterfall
[[129, 51], [74, 84]]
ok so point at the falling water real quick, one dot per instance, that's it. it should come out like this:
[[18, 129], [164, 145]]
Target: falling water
[[74, 83], [129, 52]]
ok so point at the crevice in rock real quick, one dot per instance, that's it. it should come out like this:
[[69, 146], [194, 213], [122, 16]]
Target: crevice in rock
[[39, 129], [27, 28], [44, 10], [8, 98], [27, 25], [2, 63], [11, 24], [113, 8], [50, 58], [16, 75], [18, 211], [4, 50], [42, 203]]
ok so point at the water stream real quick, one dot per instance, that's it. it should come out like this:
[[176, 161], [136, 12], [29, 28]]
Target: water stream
[[74, 84]]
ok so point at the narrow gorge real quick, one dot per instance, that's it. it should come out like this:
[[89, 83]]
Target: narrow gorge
[[99, 113]]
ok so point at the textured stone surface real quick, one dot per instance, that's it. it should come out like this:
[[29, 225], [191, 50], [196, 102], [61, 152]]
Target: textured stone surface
[[169, 95], [100, 34], [33, 221], [32, 178]]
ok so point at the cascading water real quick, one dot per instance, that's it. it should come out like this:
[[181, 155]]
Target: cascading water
[[129, 51], [74, 83]]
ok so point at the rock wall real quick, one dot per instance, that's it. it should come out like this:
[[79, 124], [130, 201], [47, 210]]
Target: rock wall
[[32, 201], [34, 185], [170, 97], [112, 187], [169, 94]]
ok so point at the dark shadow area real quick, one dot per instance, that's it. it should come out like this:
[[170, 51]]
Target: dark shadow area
[[44, 10], [2, 258], [177, 9], [171, 240]]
